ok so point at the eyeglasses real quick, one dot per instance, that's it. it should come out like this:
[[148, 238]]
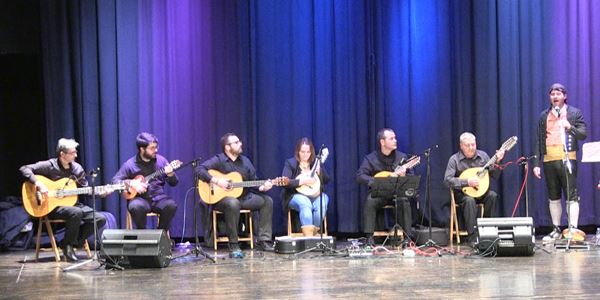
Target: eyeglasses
[[72, 152], [235, 142]]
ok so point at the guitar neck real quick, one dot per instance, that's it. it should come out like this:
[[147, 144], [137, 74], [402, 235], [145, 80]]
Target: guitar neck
[[252, 183], [87, 190], [155, 174]]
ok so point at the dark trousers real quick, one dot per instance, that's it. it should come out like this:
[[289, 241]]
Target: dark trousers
[[373, 204], [75, 231], [230, 207], [468, 207], [556, 180], [165, 207]]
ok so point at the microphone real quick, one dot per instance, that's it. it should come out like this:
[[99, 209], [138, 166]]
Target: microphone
[[557, 109], [528, 157], [94, 172]]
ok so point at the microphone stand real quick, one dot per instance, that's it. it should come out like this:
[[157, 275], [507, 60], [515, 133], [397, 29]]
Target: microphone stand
[[430, 242], [321, 246], [198, 251], [567, 170], [94, 258]]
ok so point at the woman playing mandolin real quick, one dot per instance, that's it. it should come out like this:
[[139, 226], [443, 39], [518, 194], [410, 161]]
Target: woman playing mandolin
[[303, 194]]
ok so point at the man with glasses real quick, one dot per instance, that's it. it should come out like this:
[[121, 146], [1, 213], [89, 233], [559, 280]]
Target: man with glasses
[[149, 196], [79, 219], [232, 160]]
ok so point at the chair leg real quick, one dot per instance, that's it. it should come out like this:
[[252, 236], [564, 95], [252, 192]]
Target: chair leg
[[249, 216], [214, 223], [52, 240], [38, 239], [86, 246], [289, 224], [128, 222]]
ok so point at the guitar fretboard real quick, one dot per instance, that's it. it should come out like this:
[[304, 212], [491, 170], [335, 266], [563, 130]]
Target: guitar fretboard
[[87, 190], [252, 183]]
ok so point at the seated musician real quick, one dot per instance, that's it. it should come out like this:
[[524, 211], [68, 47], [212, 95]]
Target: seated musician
[[386, 158], [307, 205], [469, 157], [232, 160], [148, 196], [79, 219]]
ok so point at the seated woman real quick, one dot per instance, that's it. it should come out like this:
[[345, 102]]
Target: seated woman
[[304, 192]]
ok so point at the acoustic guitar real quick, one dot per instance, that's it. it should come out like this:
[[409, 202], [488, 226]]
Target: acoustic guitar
[[62, 192], [482, 172], [313, 190], [130, 192], [409, 164], [211, 193]]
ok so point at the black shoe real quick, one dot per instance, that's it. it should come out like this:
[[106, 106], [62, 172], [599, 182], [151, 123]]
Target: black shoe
[[370, 242], [69, 253], [264, 246], [235, 251]]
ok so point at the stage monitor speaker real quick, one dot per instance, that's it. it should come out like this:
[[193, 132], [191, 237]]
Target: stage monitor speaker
[[144, 248], [511, 236]]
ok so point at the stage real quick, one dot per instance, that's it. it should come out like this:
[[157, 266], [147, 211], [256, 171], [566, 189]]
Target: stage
[[547, 274]]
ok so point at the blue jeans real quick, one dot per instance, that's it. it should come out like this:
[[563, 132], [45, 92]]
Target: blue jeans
[[309, 208]]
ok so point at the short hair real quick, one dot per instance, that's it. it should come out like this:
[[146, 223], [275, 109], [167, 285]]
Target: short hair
[[558, 87], [465, 136], [381, 134], [64, 144], [305, 141], [144, 139], [225, 139]]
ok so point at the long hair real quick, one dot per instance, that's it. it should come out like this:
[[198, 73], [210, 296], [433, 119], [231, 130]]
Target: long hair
[[305, 141]]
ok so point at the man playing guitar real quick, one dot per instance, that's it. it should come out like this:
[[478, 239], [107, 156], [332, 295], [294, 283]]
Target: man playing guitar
[[148, 195], [232, 160], [64, 166], [386, 158]]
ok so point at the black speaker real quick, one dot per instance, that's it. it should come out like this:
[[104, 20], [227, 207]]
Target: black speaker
[[510, 236], [144, 248], [438, 235]]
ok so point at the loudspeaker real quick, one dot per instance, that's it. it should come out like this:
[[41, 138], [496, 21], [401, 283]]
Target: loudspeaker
[[511, 236], [145, 248], [438, 235]]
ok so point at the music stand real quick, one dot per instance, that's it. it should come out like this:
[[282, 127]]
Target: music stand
[[395, 188]]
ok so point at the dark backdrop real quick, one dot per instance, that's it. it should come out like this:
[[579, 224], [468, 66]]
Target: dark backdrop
[[336, 71]]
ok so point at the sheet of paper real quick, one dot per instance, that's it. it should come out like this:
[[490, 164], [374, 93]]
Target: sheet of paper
[[591, 152]]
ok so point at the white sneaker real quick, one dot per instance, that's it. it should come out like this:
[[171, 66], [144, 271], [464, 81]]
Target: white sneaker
[[552, 236]]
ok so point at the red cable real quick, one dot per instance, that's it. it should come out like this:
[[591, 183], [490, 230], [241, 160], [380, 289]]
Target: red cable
[[522, 188]]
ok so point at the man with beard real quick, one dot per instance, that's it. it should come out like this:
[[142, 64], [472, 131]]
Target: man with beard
[[149, 196], [560, 127], [255, 199]]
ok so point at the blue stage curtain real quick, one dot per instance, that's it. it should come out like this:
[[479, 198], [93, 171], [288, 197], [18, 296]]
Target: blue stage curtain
[[335, 71]]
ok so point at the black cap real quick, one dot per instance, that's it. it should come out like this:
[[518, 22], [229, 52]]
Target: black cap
[[558, 87]]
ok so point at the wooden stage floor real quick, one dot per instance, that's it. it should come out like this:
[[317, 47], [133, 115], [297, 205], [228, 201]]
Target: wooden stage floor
[[552, 274]]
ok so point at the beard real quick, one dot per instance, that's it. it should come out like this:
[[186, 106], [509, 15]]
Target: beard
[[236, 152], [148, 156]]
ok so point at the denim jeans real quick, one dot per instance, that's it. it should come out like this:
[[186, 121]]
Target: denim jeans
[[309, 208]]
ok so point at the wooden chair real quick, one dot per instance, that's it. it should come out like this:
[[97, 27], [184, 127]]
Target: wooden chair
[[455, 231], [388, 233], [217, 238], [45, 221], [297, 234], [129, 222]]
